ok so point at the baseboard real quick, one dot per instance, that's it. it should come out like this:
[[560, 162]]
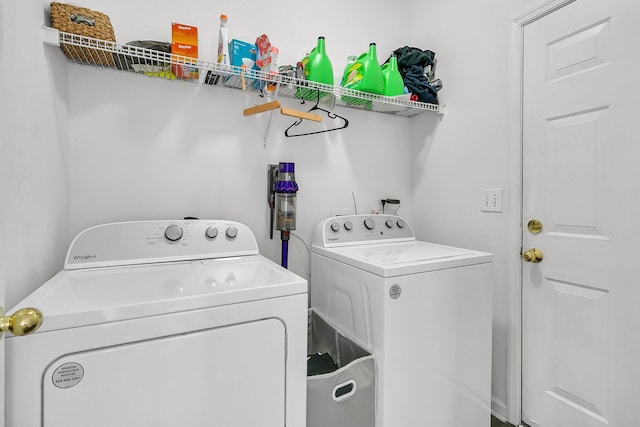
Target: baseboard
[[499, 409]]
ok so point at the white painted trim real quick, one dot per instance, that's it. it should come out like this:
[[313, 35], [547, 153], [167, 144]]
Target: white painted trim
[[498, 409], [514, 235], [540, 11]]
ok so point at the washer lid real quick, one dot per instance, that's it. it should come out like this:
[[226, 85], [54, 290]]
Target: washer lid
[[74, 298], [400, 258]]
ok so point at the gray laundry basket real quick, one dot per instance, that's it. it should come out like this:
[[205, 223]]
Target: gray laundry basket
[[344, 397]]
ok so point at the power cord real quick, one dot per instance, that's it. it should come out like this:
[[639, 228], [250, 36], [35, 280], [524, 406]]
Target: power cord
[[355, 207], [308, 265], [303, 242]]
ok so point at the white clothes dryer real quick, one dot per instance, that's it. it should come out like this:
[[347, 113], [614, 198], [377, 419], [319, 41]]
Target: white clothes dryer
[[424, 310], [163, 323]]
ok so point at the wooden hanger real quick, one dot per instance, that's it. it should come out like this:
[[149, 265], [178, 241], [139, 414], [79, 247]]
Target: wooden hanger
[[333, 116], [261, 108], [300, 114], [267, 106]]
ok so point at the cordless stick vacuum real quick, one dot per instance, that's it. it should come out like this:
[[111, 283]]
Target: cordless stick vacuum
[[285, 190]]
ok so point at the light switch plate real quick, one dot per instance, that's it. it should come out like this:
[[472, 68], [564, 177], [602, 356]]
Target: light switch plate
[[491, 200]]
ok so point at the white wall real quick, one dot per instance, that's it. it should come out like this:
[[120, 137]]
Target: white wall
[[470, 149], [33, 160]]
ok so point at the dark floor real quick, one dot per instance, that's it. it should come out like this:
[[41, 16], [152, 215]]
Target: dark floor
[[497, 423]]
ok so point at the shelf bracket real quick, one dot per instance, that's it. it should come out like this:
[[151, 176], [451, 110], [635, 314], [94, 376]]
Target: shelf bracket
[[50, 36]]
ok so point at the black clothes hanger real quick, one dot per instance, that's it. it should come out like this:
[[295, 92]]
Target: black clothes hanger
[[316, 107]]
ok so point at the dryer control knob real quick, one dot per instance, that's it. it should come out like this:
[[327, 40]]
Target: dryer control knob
[[369, 223], [348, 225], [389, 223], [401, 223], [173, 233], [335, 227], [232, 232], [211, 232]]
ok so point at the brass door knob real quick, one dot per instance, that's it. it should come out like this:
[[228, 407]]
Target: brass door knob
[[22, 322], [534, 226], [532, 255]]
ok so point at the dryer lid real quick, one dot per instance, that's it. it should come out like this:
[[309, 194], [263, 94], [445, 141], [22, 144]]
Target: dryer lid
[[75, 298], [400, 258]]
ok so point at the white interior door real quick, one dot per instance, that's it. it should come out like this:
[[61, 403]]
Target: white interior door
[[581, 180]]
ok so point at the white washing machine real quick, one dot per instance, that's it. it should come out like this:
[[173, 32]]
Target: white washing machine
[[163, 323], [424, 310]]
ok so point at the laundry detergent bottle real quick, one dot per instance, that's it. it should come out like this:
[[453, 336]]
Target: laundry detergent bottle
[[392, 79], [351, 59], [317, 68], [317, 65], [365, 73]]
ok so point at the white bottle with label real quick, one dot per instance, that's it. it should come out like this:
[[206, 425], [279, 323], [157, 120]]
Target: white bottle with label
[[223, 53], [223, 43]]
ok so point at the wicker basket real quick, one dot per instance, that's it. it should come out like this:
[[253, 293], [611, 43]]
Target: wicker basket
[[84, 22]]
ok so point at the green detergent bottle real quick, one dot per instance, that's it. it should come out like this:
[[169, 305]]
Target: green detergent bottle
[[317, 65], [317, 68], [392, 79], [365, 74], [351, 59]]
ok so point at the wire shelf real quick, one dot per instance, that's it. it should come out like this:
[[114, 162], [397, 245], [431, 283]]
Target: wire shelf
[[157, 64]]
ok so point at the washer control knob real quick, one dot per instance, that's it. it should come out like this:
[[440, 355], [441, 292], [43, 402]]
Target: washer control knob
[[401, 223], [369, 223], [348, 225], [232, 232], [173, 233], [335, 227], [389, 223], [211, 232]]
